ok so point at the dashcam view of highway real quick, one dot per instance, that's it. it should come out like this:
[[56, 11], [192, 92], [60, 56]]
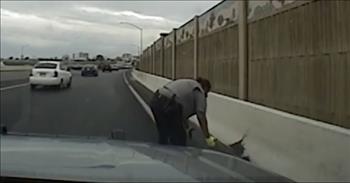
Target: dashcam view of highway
[[175, 91]]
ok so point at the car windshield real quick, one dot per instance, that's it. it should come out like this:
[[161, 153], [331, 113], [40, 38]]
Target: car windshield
[[152, 90], [46, 66]]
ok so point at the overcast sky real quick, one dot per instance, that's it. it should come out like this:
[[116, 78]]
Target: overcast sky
[[54, 28]]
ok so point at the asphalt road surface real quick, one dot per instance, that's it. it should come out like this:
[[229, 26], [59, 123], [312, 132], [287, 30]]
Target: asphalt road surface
[[93, 106], [8, 78]]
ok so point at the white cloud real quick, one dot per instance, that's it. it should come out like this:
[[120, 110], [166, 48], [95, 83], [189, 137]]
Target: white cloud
[[28, 21], [8, 13], [34, 41], [43, 28], [55, 28], [40, 32], [146, 21], [120, 13], [32, 24]]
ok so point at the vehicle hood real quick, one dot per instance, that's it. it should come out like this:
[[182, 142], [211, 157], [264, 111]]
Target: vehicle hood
[[103, 160]]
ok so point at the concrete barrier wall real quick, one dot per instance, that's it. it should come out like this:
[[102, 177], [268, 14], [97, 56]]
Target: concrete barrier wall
[[289, 55], [168, 54], [299, 59], [298, 148], [12, 75], [218, 47], [14, 72], [6, 68]]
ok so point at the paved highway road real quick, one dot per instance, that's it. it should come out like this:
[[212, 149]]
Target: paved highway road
[[8, 78], [92, 107]]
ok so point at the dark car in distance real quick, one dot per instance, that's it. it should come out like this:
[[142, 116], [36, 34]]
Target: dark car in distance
[[89, 70], [106, 67]]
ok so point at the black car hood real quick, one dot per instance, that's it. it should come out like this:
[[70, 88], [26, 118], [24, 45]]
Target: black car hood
[[103, 160]]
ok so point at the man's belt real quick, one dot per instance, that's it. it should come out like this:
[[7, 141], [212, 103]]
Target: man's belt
[[167, 100]]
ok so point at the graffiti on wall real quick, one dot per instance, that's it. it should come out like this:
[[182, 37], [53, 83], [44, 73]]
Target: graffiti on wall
[[146, 54], [158, 44], [149, 51], [185, 33], [222, 15], [259, 9], [169, 40]]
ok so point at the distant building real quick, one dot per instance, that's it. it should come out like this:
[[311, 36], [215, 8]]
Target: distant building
[[127, 57], [81, 56], [65, 57]]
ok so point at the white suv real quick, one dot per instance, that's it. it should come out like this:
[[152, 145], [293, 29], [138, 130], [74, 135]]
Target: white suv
[[50, 74]]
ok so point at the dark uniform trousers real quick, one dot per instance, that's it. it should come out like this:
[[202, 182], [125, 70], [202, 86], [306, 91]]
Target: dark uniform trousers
[[168, 116]]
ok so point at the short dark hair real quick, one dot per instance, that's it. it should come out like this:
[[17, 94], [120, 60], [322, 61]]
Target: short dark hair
[[204, 82]]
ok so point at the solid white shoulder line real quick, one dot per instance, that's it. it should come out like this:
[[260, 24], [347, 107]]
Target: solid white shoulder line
[[14, 86], [139, 98]]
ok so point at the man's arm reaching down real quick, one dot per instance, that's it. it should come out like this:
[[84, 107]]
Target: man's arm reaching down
[[202, 119], [211, 141], [201, 108]]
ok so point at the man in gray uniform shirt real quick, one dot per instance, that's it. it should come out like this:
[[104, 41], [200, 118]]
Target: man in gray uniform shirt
[[177, 101]]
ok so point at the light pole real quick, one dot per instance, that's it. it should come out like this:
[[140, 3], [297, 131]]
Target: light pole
[[141, 33], [22, 48]]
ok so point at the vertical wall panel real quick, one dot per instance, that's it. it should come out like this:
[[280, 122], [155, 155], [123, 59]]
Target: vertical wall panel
[[218, 48], [298, 52], [158, 58], [168, 51], [185, 51], [298, 60], [347, 89]]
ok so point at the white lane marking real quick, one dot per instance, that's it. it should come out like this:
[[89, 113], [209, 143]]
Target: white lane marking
[[14, 86], [139, 98]]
